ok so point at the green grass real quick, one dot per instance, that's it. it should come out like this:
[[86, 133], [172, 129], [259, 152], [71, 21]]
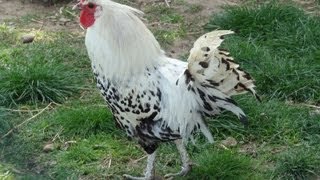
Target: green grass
[[36, 81], [4, 125], [297, 164], [222, 164], [170, 25], [279, 44], [38, 72], [95, 138], [273, 121], [86, 120]]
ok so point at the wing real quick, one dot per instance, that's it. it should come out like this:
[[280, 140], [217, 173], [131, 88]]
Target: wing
[[214, 76]]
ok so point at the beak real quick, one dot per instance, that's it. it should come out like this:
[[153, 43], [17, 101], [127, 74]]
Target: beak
[[77, 6]]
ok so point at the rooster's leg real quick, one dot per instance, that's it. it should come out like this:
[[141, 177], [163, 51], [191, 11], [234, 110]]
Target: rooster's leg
[[186, 163], [149, 174]]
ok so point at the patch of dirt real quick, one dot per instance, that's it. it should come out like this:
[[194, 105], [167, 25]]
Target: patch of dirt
[[10, 9], [249, 149], [38, 15], [196, 20], [310, 6], [212, 6], [52, 18]]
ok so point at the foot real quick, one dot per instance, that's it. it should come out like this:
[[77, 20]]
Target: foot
[[184, 171], [149, 172], [126, 176]]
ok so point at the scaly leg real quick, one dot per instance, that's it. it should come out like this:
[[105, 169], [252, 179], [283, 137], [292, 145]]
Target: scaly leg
[[186, 163], [149, 174]]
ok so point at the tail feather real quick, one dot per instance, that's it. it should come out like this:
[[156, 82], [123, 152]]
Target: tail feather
[[214, 101], [217, 76], [213, 66]]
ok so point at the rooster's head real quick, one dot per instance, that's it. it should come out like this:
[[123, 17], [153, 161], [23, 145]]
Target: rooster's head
[[90, 10]]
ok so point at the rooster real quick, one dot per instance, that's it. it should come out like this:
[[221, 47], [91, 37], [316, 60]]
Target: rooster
[[155, 98]]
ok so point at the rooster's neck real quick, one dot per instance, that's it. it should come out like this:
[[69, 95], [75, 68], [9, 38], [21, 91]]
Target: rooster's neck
[[121, 45]]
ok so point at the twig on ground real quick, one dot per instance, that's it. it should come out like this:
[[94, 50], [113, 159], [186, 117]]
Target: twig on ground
[[312, 106], [25, 121], [109, 164], [100, 105], [137, 160], [163, 24], [20, 110], [72, 14], [57, 135], [167, 2], [37, 21], [57, 104]]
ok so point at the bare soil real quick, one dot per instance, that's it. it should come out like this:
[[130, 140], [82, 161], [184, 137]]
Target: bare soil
[[10, 9], [212, 6], [41, 16], [51, 18], [209, 7]]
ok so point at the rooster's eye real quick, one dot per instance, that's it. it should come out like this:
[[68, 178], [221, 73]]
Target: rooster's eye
[[91, 5]]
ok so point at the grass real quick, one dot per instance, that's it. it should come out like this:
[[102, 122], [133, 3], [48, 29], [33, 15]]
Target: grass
[[281, 141], [38, 72], [194, 8], [169, 24], [297, 164], [222, 164], [82, 135], [287, 42], [36, 81]]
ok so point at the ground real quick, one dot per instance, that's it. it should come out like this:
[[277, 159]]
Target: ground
[[54, 124], [51, 17]]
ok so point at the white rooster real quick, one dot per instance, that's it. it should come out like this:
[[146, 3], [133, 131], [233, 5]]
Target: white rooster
[[155, 98]]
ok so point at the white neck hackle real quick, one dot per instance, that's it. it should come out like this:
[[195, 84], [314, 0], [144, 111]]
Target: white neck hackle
[[119, 44]]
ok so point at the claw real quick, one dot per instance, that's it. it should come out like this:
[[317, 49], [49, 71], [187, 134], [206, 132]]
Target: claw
[[184, 171], [129, 177]]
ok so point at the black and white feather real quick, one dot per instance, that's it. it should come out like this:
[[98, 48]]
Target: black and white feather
[[155, 98]]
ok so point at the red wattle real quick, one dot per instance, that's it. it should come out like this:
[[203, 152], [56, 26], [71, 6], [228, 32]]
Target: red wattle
[[86, 18]]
